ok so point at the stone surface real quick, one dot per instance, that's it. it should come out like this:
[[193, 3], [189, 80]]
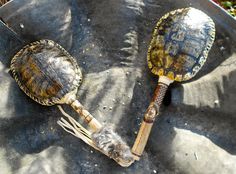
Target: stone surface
[[196, 130]]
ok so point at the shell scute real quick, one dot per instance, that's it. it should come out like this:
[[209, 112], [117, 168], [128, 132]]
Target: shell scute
[[45, 71], [180, 43]]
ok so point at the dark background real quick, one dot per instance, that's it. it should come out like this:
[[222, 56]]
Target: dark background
[[196, 130]]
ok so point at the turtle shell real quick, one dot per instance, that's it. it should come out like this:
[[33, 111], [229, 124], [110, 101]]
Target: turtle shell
[[180, 43], [46, 72]]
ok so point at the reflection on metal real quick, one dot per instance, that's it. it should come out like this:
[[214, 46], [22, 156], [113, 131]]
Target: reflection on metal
[[4, 26]]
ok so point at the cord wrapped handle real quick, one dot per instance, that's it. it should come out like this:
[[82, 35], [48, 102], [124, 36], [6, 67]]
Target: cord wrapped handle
[[148, 120], [87, 117]]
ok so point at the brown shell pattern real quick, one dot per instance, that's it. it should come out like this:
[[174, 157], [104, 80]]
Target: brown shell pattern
[[45, 71], [180, 43]]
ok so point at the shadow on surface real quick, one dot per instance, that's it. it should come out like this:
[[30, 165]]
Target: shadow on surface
[[107, 35]]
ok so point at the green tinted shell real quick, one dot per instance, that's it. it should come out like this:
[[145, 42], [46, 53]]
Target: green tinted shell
[[180, 44], [45, 71]]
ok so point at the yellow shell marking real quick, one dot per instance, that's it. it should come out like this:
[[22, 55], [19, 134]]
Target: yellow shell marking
[[180, 43]]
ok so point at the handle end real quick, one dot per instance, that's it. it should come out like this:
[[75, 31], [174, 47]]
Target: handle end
[[136, 156], [141, 139]]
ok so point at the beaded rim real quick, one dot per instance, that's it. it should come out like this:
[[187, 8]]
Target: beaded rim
[[53, 100], [196, 68]]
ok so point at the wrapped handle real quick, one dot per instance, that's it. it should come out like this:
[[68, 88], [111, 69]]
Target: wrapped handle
[[149, 118], [89, 119]]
